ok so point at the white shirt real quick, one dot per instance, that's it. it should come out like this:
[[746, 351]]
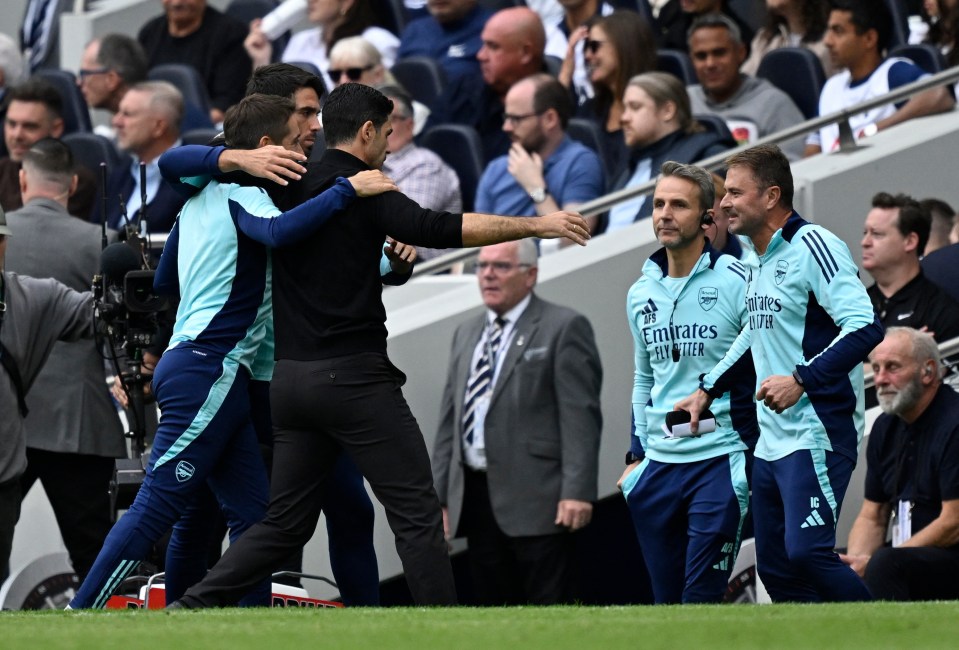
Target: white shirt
[[624, 214], [308, 46], [474, 455]]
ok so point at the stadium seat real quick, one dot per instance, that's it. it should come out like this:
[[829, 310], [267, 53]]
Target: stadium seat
[[76, 115], [199, 136], [191, 86], [926, 56], [422, 77], [460, 147], [798, 73], [390, 14], [715, 124], [90, 149], [588, 132], [900, 23], [677, 64]]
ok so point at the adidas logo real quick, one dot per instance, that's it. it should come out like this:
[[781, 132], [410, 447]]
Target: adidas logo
[[723, 565], [649, 312], [727, 550], [813, 520]]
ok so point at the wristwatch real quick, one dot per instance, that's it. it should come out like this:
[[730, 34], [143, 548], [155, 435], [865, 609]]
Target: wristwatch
[[538, 195]]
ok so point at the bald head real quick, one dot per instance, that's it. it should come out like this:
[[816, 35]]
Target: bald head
[[513, 43]]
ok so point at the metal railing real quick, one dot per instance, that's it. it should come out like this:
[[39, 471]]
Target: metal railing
[[949, 350], [847, 142]]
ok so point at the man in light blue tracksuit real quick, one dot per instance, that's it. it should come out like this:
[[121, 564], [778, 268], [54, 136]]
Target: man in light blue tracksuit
[[811, 326], [687, 495]]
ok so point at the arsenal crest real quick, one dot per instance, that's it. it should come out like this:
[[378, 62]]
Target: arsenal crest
[[708, 297]]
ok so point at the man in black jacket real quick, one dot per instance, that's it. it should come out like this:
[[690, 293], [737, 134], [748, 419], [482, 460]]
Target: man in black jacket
[[334, 386]]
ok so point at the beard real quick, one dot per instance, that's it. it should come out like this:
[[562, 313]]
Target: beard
[[903, 400]]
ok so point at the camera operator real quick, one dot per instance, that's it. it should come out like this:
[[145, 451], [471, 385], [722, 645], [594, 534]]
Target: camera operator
[[34, 315], [73, 432]]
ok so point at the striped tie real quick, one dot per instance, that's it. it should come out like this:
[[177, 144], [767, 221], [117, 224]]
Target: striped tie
[[481, 379]]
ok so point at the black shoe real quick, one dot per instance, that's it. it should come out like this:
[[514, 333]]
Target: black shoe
[[178, 604]]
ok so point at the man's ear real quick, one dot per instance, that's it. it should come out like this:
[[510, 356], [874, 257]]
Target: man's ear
[[56, 128], [74, 181], [368, 131], [23, 182], [264, 141]]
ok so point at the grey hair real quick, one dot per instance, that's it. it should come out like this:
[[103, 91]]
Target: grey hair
[[716, 19], [165, 99], [10, 61], [924, 346], [695, 175], [527, 252]]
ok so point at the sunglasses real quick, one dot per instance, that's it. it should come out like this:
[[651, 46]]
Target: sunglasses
[[353, 74], [592, 46]]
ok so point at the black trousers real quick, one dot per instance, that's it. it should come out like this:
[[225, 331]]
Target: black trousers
[[9, 514], [506, 570], [354, 404], [922, 573], [78, 487]]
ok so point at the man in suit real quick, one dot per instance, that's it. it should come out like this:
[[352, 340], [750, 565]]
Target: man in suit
[[147, 125], [72, 430], [515, 459]]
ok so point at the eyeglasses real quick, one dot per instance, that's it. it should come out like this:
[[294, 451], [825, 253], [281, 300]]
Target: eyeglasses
[[353, 74], [591, 46], [516, 119], [84, 73], [499, 267]]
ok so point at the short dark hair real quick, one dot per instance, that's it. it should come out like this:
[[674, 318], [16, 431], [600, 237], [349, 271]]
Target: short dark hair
[[38, 89], [124, 55], [51, 159], [256, 116], [912, 217], [866, 15], [283, 80], [549, 93], [349, 107], [770, 167]]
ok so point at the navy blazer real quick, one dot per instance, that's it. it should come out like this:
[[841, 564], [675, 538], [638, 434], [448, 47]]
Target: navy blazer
[[161, 211]]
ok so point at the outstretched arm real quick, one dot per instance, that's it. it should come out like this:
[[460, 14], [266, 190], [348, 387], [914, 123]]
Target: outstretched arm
[[484, 229]]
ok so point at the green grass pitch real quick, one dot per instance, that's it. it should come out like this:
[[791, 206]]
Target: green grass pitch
[[820, 627]]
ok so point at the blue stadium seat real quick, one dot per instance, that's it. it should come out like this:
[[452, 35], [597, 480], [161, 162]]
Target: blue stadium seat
[[199, 136], [422, 77], [900, 23], [678, 64], [191, 86], [76, 115], [926, 56], [90, 149], [460, 147], [588, 132], [715, 124], [798, 73], [390, 14]]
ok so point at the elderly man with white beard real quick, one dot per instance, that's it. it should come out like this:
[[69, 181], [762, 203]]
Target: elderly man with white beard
[[912, 476]]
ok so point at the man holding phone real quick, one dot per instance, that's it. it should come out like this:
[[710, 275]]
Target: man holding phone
[[687, 494], [811, 324]]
